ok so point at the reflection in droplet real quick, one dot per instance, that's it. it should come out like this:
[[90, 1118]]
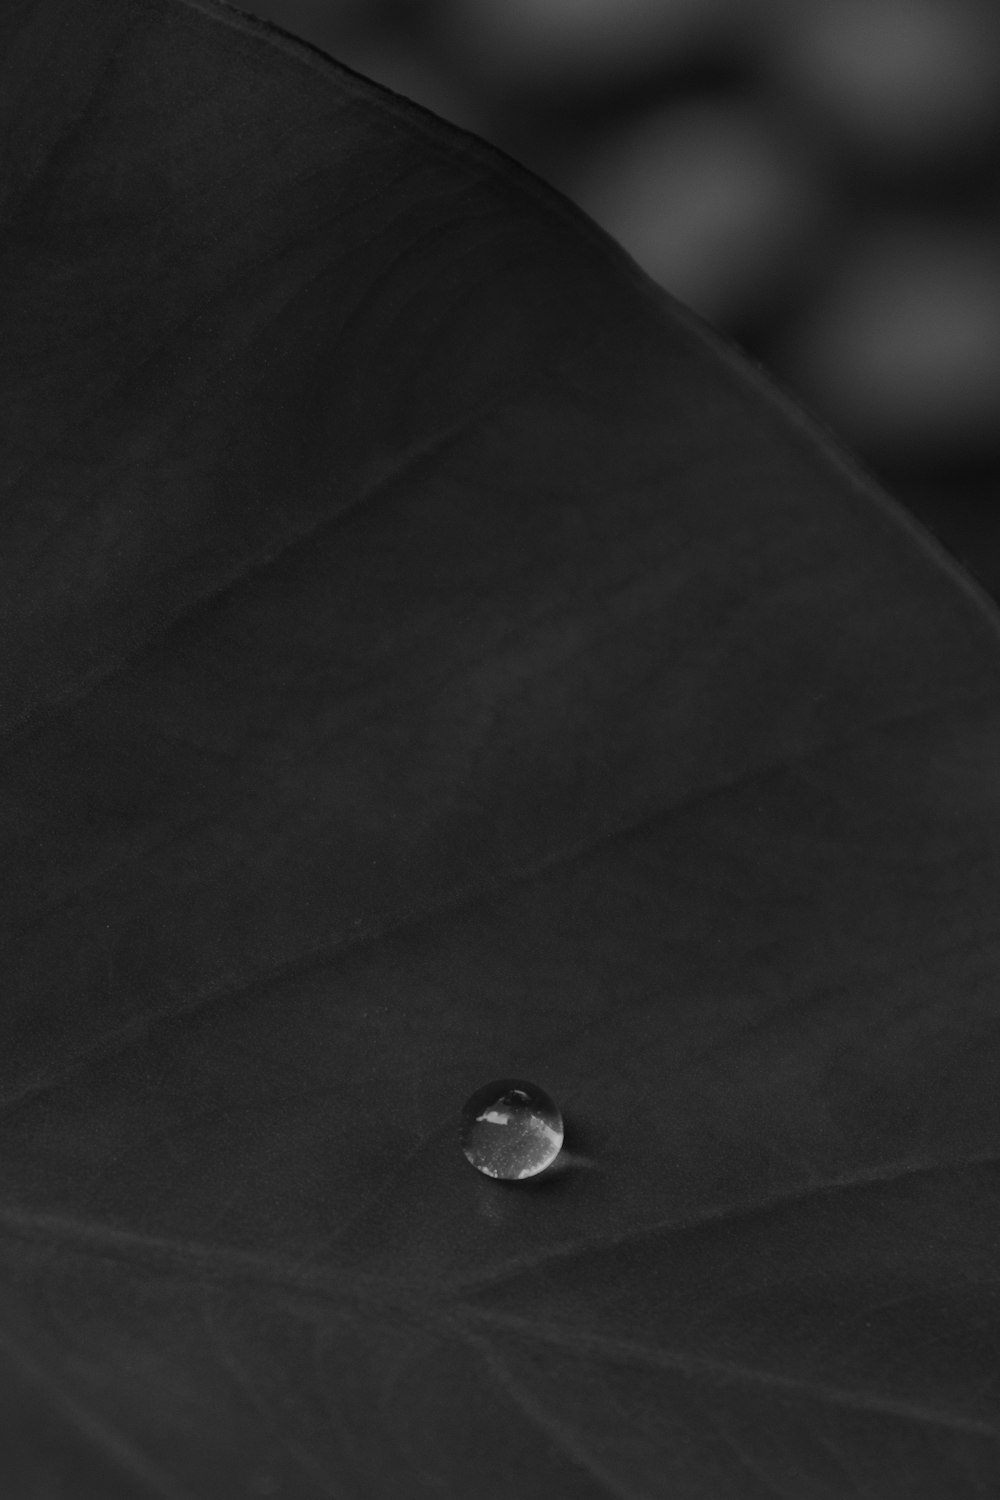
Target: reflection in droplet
[[511, 1129]]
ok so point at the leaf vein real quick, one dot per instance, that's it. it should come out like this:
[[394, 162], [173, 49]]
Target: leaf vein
[[327, 954], [727, 1371], [886, 1175]]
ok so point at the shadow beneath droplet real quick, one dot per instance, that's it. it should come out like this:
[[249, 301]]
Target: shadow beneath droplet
[[579, 1151], [577, 1155]]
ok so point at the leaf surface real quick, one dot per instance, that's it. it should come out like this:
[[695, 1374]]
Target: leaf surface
[[429, 656]]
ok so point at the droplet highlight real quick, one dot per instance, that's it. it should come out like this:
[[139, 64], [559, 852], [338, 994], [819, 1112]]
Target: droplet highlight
[[511, 1130]]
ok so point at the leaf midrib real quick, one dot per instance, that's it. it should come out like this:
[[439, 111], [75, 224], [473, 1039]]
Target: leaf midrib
[[449, 1309]]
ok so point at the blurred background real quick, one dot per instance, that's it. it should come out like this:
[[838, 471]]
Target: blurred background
[[820, 179]]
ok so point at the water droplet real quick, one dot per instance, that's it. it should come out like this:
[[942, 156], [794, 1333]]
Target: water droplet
[[511, 1129]]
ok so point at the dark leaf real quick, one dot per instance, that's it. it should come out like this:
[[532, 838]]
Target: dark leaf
[[428, 657]]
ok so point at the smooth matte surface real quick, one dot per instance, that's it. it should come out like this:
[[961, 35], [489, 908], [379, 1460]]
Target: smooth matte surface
[[427, 656]]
